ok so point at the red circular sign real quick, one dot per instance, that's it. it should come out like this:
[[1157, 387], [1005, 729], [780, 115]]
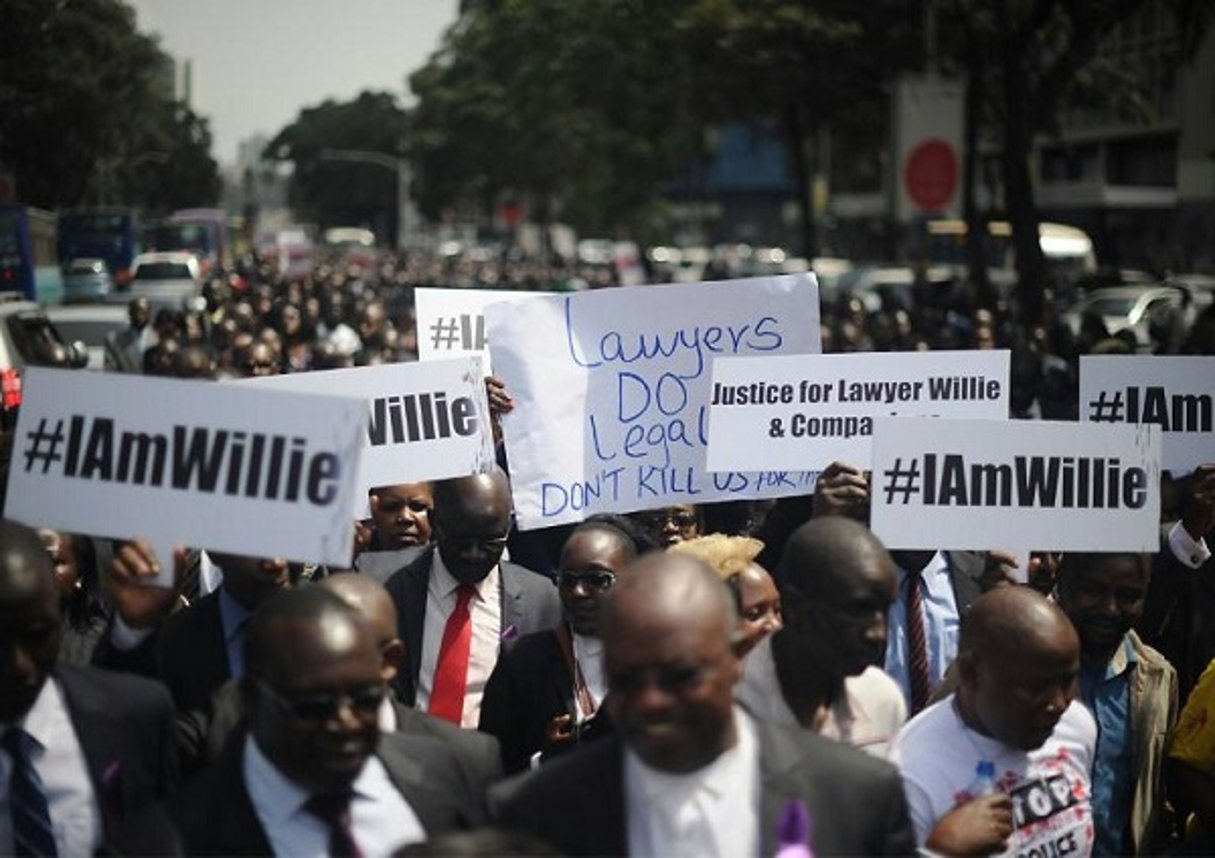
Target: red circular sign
[[931, 174]]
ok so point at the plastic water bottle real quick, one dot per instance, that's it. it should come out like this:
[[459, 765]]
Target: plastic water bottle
[[985, 779]]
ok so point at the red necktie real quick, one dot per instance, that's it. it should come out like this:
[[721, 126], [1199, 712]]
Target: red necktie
[[917, 646], [451, 670]]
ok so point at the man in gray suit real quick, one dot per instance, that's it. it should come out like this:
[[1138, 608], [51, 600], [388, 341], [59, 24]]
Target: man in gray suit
[[689, 771], [459, 603]]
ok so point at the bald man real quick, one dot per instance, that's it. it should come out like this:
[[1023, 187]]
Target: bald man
[[689, 772], [1003, 763], [459, 603], [820, 672], [79, 748]]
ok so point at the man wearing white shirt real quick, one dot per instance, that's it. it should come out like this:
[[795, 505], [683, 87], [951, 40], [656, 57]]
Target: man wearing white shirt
[[312, 774], [690, 773], [459, 603], [79, 748]]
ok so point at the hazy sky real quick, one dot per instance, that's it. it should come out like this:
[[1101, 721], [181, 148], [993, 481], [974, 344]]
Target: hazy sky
[[257, 62]]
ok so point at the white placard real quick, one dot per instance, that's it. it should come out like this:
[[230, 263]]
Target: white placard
[[426, 421], [1175, 393], [451, 322], [612, 389], [221, 466], [971, 484], [806, 411]]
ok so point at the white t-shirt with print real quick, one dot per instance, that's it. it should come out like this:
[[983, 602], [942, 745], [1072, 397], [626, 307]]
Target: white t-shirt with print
[[938, 755]]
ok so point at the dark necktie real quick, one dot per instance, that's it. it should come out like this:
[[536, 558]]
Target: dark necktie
[[917, 645], [32, 833], [334, 810]]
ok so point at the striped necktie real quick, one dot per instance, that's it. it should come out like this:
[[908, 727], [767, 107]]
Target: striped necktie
[[32, 833]]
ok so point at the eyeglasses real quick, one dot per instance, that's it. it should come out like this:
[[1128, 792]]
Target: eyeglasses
[[660, 518], [672, 678], [323, 707], [597, 580]]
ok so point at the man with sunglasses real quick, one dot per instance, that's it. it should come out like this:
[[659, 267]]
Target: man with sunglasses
[[543, 697], [309, 772], [458, 602], [689, 772]]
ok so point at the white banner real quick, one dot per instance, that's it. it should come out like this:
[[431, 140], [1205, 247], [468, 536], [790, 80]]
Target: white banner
[[612, 391], [805, 411], [451, 322], [1174, 393], [970, 484], [220, 466], [426, 421]]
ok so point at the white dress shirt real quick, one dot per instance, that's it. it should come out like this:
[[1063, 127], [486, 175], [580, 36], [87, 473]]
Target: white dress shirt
[[59, 761], [381, 821], [713, 811], [485, 610], [588, 655], [1190, 551]]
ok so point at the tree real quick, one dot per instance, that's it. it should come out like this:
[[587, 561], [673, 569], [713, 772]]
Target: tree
[[330, 192], [80, 88]]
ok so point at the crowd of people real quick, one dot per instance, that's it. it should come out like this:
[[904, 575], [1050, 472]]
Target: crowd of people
[[744, 678]]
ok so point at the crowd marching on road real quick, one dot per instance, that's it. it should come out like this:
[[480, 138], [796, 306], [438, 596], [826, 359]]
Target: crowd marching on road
[[733, 678]]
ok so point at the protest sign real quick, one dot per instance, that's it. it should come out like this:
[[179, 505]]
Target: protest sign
[[221, 466], [451, 322], [978, 484], [1173, 392], [426, 421], [612, 391], [806, 411]]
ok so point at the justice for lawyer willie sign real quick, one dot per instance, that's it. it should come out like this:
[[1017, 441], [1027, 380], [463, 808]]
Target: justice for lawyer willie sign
[[972, 484], [1175, 393], [805, 411], [227, 467]]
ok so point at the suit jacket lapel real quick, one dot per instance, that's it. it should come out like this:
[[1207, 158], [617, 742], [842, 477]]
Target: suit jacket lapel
[[98, 742], [778, 759], [434, 809], [240, 831], [514, 606], [413, 608]]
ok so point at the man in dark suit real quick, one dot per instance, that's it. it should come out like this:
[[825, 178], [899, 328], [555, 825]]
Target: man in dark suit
[[82, 748], [312, 773], [457, 604], [689, 767]]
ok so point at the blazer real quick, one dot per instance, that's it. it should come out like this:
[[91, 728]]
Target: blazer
[[477, 754], [213, 814], [856, 802], [125, 728], [529, 604], [192, 654], [529, 687]]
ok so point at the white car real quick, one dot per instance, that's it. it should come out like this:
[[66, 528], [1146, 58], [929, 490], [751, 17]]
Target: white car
[[165, 279], [89, 324], [1136, 308]]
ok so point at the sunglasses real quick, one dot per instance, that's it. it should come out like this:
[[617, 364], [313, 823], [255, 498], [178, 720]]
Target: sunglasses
[[324, 707], [596, 580]]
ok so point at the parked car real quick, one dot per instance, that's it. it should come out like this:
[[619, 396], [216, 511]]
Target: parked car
[[167, 279], [27, 337], [89, 325], [86, 280], [1143, 310]]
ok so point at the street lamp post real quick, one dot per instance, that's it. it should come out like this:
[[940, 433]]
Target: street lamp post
[[407, 225]]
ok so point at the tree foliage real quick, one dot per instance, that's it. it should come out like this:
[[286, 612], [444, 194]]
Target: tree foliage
[[333, 192], [83, 96]]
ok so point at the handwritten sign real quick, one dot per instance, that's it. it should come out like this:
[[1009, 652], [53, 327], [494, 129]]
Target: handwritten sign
[[612, 391], [451, 322], [805, 411], [1174, 393], [425, 421], [228, 467], [979, 484]]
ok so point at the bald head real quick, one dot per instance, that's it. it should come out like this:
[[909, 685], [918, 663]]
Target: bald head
[[368, 597], [828, 553], [26, 568], [471, 520], [1014, 622], [668, 588]]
